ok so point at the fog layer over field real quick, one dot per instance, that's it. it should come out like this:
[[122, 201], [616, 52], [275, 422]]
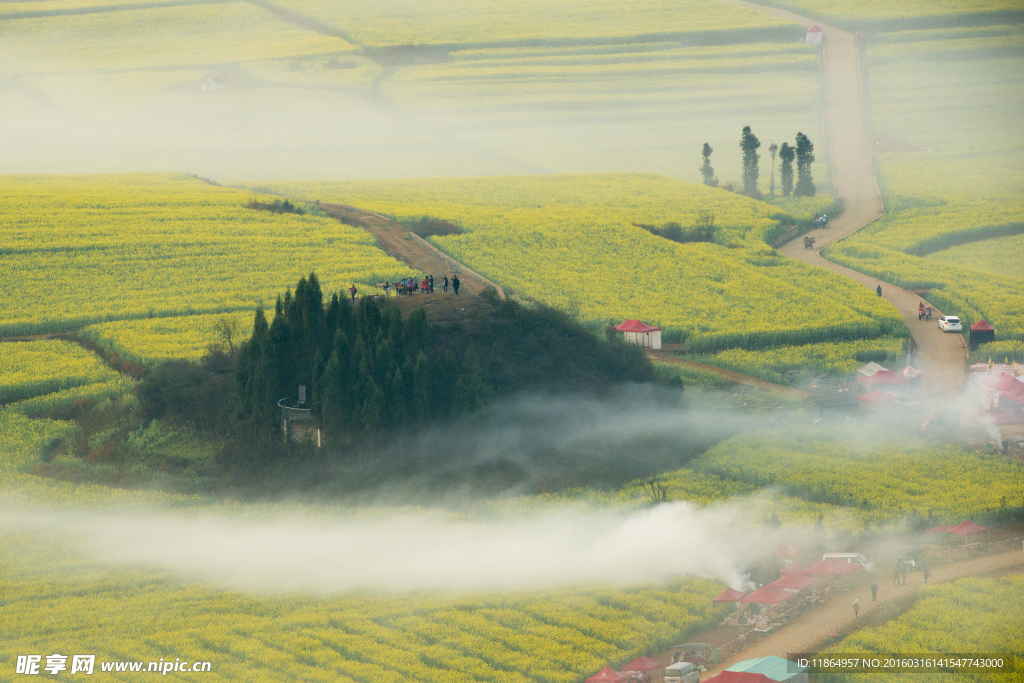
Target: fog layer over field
[[409, 551], [530, 443]]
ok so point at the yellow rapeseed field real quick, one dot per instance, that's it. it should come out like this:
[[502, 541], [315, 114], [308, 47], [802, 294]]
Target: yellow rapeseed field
[[33, 368], [572, 241], [84, 249], [152, 340]]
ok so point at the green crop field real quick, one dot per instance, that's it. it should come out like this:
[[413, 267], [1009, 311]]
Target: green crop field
[[945, 110], [571, 241], [880, 15]]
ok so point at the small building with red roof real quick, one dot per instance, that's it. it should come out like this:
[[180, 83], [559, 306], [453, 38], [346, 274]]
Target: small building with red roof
[[814, 34], [641, 334]]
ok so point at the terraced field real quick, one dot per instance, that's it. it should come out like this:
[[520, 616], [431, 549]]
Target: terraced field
[[79, 250], [944, 104], [571, 241]]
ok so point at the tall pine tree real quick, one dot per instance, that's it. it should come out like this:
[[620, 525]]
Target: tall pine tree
[[749, 144], [804, 159]]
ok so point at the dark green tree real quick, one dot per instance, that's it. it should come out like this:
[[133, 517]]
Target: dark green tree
[[804, 159], [786, 155], [749, 144], [706, 170], [773, 150]]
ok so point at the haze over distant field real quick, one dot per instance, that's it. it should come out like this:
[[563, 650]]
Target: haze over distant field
[[232, 90]]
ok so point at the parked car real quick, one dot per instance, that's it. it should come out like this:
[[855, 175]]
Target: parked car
[[682, 672], [950, 323], [853, 558]]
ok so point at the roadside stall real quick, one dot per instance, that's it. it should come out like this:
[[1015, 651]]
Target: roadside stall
[[608, 675], [981, 333], [775, 668], [644, 669]]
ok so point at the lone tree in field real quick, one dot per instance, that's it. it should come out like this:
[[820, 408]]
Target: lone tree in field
[[706, 170], [804, 159], [228, 328], [786, 154], [749, 144], [772, 150]]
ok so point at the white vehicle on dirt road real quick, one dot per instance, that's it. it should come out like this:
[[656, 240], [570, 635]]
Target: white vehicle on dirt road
[[866, 567], [950, 323]]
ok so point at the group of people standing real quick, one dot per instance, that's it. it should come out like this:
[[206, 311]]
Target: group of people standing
[[411, 285], [924, 312]]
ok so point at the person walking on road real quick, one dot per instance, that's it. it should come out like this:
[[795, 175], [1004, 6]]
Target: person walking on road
[[856, 608], [874, 592], [431, 278], [903, 575], [456, 284], [896, 575], [352, 292], [878, 290], [444, 284], [926, 574]]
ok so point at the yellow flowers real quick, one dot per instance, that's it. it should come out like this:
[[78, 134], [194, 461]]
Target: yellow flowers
[[33, 368], [971, 615], [80, 250], [886, 478], [942, 109], [153, 340], [571, 241]]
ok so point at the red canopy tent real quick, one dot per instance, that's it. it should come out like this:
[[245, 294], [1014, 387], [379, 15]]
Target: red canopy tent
[[795, 581], [739, 677], [1007, 384], [767, 595], [729, 595], [981, 333], [879, 396], [999, 419], [966, 528], [608, 675], [643, 664], [883, 377], [635, 326], [982, 326], [793, 569], [832, 567]]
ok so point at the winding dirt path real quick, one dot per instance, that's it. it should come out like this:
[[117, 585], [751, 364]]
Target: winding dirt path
[[396, 240], [940, 356], [727, 374]]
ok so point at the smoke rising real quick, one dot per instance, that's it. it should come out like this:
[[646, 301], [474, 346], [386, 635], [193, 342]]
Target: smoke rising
[[412, 551]]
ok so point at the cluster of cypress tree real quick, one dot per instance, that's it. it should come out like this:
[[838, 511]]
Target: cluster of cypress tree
[[369, 371]]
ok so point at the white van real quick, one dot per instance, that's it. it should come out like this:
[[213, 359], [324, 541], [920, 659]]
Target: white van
[[853, 558], [682, 672]]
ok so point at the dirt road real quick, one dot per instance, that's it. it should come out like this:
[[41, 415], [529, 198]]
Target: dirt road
[[396, 240], [727, 374], [940, 356], [809, 630]]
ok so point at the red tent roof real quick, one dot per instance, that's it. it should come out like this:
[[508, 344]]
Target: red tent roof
[[814, 29], [884, 377], [792, 569], [999, 419], [832, 567], [982, 326], [966, 528], [795, 581], [729, 595], [607, 675], [1008, 384], [940, 529], [739, 677], [768, 595], [879, 396], [643, 664], [635, 326], [910, 372]]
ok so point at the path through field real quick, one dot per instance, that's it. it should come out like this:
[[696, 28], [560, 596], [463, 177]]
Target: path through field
[[940, 356], [808, 630], [397, 241], [727, 374]]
